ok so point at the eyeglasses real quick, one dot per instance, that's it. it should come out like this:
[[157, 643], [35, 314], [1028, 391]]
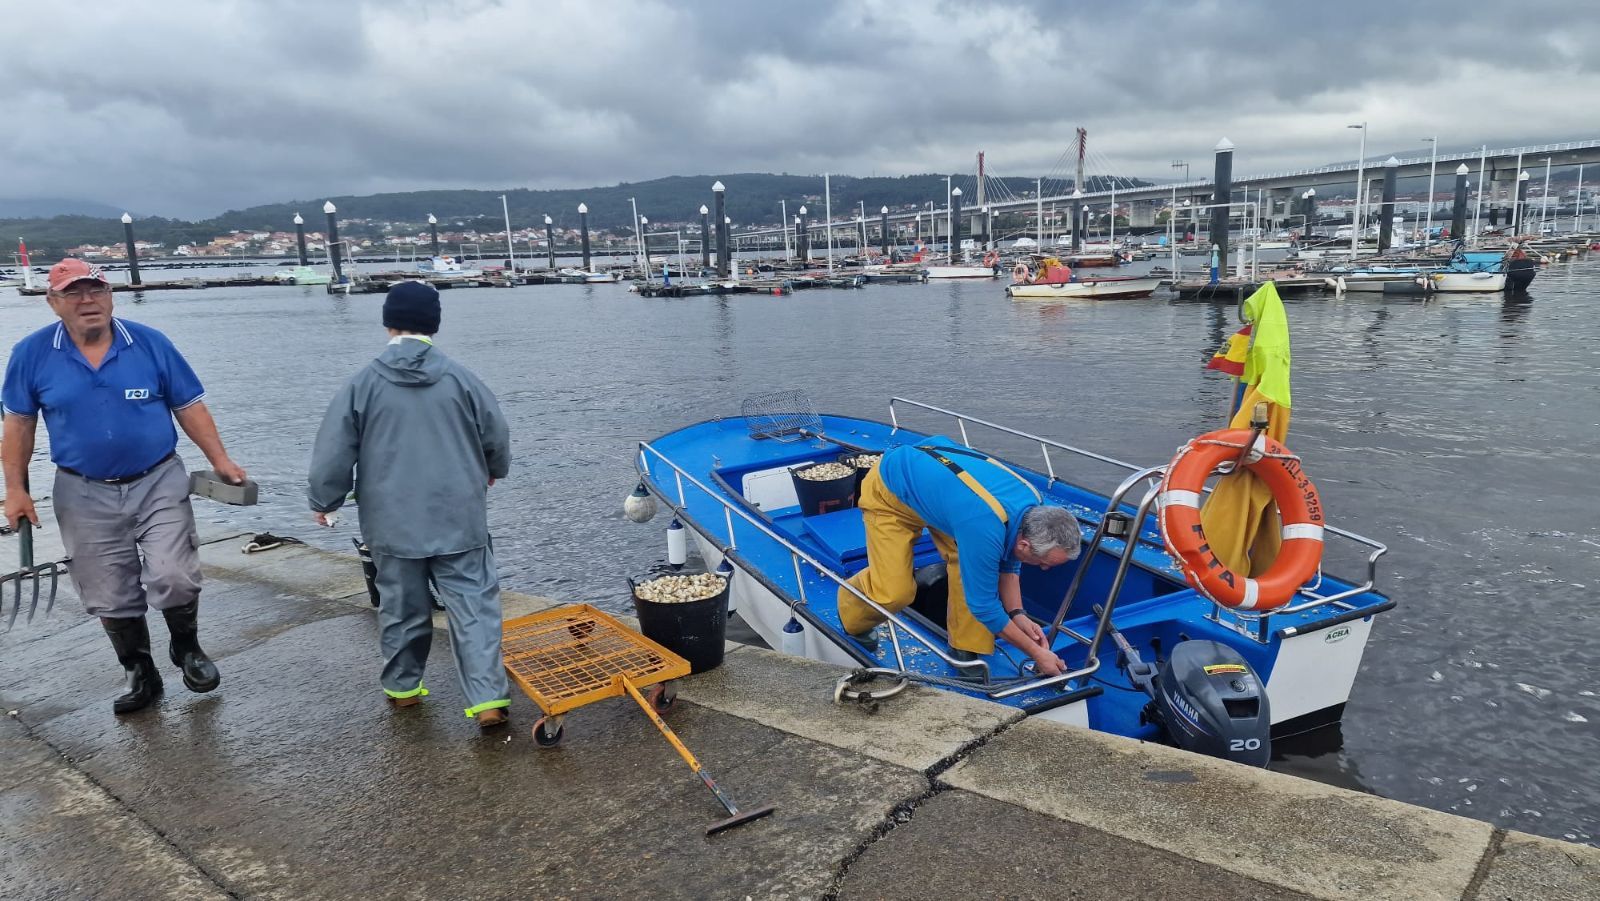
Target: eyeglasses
[[95, 291]]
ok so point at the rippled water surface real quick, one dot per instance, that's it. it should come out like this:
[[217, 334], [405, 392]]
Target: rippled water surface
[[1459, 430]]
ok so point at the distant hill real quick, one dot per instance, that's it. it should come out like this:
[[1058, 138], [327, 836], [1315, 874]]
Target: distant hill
[[45, 207], [752, 199]]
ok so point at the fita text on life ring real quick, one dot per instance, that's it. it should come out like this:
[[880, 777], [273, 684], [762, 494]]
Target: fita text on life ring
[[1020, 274], [990, 258], [1299, 509]]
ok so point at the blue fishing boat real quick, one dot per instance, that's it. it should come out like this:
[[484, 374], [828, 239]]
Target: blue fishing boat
[[1147, 656]]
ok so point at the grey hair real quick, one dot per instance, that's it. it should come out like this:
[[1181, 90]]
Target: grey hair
[[1047, 527]]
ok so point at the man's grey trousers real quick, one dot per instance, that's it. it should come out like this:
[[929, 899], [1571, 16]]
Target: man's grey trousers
[[469, 588]]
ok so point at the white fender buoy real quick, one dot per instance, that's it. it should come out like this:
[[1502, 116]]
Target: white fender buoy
[[794, 637], [1339, 285], [677, 544], [640, 506]]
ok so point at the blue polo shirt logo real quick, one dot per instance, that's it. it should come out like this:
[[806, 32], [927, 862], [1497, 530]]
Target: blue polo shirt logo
[[110, 421]]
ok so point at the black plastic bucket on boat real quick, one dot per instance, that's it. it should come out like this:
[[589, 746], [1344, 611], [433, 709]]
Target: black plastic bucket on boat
[[861, 471], [826, 496], [694, 630]]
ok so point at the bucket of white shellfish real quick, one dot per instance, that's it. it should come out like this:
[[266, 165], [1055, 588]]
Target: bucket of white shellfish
[[824, 487], [862, 463], [686, 613]]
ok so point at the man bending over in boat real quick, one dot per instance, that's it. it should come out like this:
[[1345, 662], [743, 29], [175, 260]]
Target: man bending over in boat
[[986, 522]]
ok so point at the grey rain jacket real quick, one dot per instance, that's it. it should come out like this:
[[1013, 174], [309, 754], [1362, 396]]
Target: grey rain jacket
[[418, 436]]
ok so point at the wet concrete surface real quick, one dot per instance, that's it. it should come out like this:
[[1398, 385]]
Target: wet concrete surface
[[295, 779]]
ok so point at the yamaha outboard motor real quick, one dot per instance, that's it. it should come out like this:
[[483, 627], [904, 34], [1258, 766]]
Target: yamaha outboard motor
[[1209, 701], [1206, 699]]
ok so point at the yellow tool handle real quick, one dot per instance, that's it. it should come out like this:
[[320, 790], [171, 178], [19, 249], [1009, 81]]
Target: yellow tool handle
[[660, 724]]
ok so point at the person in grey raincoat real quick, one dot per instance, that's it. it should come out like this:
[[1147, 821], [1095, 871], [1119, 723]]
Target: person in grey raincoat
[[421, 439]]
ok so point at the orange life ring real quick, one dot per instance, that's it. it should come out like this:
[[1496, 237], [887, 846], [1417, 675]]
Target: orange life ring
[[1299, 509], [1020, 274], [990, 258]]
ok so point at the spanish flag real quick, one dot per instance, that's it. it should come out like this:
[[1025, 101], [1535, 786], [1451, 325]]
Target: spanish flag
[[1239, 517]]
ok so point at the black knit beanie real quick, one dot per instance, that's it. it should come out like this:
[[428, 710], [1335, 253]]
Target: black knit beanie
[[412, 307]]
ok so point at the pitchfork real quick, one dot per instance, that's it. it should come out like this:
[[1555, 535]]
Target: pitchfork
[[31, 574]]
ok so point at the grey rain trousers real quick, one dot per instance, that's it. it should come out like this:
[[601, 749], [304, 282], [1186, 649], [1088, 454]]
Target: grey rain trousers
[[469, 588]]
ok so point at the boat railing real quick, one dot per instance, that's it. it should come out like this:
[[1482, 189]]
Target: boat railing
[[1313, 599], [897, 625]]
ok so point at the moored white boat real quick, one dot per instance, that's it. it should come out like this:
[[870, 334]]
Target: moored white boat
[[1095, 288], [1465, 282], [960, 271]]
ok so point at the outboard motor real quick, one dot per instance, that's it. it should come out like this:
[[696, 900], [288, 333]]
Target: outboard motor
[[1206, 699], [1209, 701]]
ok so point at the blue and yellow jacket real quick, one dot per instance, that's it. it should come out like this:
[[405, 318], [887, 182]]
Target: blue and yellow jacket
[[983, 537]]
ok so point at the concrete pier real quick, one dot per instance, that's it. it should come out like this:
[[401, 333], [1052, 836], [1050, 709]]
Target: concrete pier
[[296, 780]]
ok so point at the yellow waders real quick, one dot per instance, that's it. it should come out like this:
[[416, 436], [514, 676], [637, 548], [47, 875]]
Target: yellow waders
[[889, 579]]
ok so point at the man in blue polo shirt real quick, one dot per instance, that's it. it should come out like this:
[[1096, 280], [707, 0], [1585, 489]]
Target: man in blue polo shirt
[[109, 390], [986, 522]]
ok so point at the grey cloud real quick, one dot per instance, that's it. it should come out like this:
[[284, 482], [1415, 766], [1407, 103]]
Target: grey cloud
[[186, 107]]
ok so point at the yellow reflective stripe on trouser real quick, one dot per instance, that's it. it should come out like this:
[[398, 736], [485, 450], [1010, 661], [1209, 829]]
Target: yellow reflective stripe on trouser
[[415, 692], [487, 705]]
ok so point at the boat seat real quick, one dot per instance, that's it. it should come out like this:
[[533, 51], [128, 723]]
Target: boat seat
[[842, 534]]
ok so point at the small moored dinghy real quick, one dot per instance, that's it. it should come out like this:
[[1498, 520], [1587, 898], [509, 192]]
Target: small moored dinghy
[[1147, 655]]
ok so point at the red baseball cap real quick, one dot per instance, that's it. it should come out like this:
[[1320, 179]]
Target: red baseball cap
[[72, 270]]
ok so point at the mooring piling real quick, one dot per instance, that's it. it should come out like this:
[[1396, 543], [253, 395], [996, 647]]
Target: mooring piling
[[719, 203], [1519, 208], [433, 233], [1458, 212], [803, 236], [883, 228], [1077, 219], [583, 232], [300, 238], [955, 224], [333, 243], [133, 251], [1391, 178], [705, 238], [1220, 198]]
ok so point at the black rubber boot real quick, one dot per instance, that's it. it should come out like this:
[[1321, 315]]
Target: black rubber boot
[[131, 640], [199, 673]]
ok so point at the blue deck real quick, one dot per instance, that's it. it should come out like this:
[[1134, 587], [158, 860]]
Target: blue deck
[[1154, 609]]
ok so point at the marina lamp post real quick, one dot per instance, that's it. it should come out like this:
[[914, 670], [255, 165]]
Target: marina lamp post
[[433, 232], [1433, 162], [133, 251], [1361, 190], [300, 238], [550, 238]]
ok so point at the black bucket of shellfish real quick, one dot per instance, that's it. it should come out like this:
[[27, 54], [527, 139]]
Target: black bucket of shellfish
[[862, 463], [824, 487], [686, 613]]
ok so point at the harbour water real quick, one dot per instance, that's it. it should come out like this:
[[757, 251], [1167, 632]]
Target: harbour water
[[1459, 430]]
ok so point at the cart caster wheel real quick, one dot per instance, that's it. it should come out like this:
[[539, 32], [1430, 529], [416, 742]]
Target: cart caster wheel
[[662, 697], [543, 736]]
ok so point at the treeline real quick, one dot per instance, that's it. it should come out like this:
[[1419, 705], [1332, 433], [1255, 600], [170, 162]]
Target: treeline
[[752, 199]]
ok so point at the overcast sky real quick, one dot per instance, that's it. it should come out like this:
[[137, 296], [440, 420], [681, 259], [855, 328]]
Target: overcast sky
[[190, 107]]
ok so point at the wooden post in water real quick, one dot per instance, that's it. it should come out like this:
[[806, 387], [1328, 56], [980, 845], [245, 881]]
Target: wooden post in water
[[550, 238], [802, 237], [133, 252], [883, 229], [300, 238], [705, 238], [1458, 212], [955, 224], [720, 203], [583, 232], [1391, 178], [433, 233], [1221, 196], [334, 255]]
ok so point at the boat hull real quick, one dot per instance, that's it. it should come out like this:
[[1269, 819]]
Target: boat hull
[[1096, 288], [1469, 282], [960, 272]]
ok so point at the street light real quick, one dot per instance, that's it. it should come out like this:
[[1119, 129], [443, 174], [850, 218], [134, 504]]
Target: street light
[[1433, 160], [1361, 190]]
